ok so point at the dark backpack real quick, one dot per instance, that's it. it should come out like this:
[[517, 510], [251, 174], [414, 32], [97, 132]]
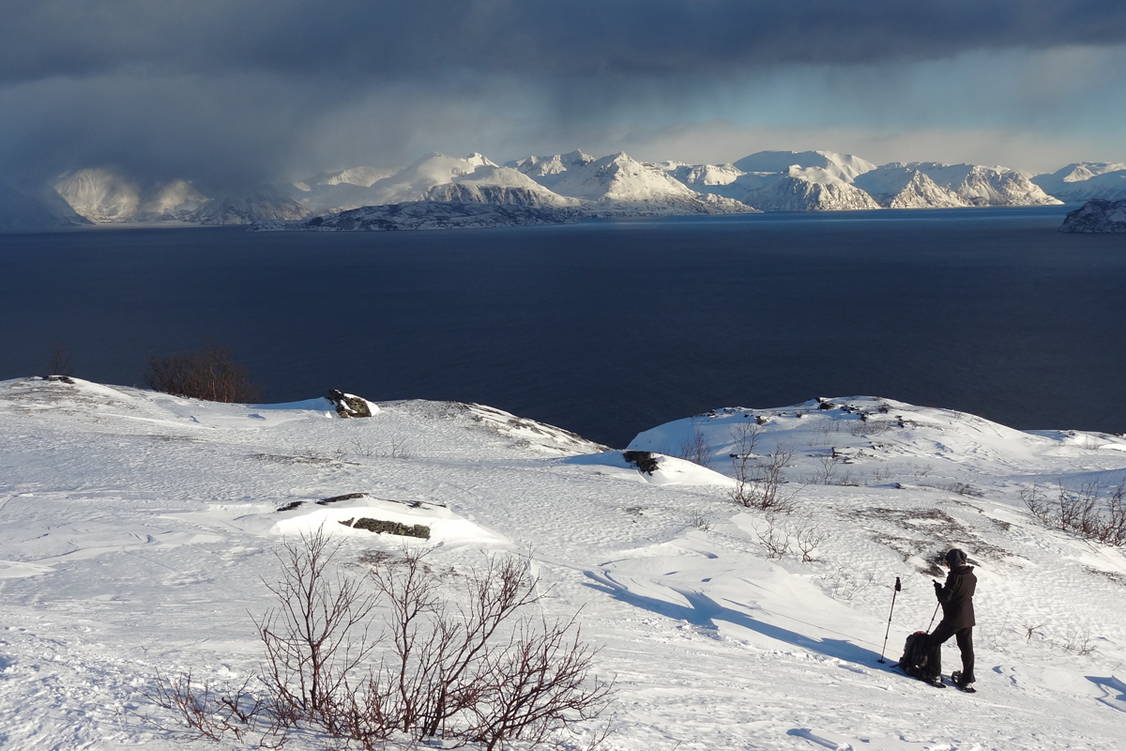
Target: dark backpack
[[914, 658]]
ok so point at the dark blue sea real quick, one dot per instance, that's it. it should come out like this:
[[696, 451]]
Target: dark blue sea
[[605, 328]]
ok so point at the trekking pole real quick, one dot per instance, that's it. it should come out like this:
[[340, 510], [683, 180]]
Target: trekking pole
[[898, 588], [933, 616]]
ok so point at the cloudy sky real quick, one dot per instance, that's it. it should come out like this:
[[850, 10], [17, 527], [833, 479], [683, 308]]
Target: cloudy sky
[[241, 91]]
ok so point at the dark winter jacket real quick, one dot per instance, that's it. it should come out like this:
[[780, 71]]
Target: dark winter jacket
[[957, 598]]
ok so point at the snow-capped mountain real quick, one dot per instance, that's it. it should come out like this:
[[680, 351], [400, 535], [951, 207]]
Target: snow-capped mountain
[[1085, 180], [101, 194], [979, 185], [412, 182], [621, 184], [498, 185], [247, 207], [797, 189], [900, 186], [544, 168]]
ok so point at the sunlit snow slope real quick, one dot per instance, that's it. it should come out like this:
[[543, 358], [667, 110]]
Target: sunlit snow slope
[[136, 529]]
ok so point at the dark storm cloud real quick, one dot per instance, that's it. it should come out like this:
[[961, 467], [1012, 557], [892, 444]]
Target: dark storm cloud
[[234, 87], [353, 39]]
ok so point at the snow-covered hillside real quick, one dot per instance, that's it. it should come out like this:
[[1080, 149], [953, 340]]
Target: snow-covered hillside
[[618, 183], [901, 186], [139, 529], [498, 185], [1083, 181], [797, 189], [979, 185]]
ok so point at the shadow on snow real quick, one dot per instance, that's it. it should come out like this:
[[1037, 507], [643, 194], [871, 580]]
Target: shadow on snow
[[703, 611]]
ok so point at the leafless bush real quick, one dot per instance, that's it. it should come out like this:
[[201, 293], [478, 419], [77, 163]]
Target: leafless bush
[[964, 488], [210, 373], [759, 485], [1078, 641], [1031, 631], [775, 540], [483, 671], [827, 467], [214, 713], [398, 448], [807, 540], [695, 448], [700, 521], [317, 635], [1085, 511]]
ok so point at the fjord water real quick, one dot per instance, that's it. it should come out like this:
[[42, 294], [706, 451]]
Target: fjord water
[[605, 328]]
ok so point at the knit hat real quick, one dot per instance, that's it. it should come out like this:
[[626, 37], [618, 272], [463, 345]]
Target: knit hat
[[955, 557]]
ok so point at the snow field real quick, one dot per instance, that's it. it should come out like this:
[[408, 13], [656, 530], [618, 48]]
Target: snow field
[[136, 529]]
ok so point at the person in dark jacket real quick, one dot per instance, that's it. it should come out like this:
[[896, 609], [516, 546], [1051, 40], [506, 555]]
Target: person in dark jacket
[[956, 597]]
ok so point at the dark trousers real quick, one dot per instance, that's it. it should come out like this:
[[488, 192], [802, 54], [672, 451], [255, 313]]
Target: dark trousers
[[965, 640]]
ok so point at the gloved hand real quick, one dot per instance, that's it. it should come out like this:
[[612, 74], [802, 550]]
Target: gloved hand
[[937, 587]]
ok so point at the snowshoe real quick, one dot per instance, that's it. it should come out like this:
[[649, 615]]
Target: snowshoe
[[956, 677]]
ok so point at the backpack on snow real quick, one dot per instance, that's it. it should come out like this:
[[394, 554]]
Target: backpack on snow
[[914, 658]]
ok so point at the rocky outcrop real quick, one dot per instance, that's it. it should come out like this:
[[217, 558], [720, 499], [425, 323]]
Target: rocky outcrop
[[1097, 215], [350, 405]]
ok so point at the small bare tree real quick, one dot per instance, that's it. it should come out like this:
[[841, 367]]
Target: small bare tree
[[316, 637], [210, 373], [695, 448], [759, 485], [775, 540], [1082, 511]]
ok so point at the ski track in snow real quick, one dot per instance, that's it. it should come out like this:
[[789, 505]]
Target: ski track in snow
[[137, 529]]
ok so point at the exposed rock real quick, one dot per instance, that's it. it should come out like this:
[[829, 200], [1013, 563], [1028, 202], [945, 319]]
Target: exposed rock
[[379, 526], [349, 405], [645, 461], [338, 498], [1097, 215]]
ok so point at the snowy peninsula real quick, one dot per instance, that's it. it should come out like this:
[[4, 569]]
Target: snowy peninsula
[[1097, 216]]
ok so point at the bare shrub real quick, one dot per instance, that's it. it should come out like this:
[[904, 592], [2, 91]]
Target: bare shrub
[[964, 488], [483, 671], [758, 485], [807, 540], [1078, 641], [695, 448], [700, 521], [210, 373], [775, 539], [214, 713], [316, 637], [827, 467], [1084, 511]]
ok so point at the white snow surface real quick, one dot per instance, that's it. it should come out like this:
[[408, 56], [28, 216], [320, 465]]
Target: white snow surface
[[137, 529]]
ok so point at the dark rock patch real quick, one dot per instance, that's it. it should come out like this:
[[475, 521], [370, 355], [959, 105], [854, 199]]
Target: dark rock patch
[[379, 526], [348, 405], [645, 461], [338, 498]]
